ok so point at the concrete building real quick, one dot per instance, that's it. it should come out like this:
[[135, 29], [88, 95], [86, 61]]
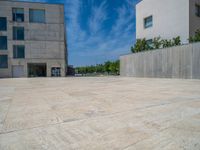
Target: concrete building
[[32, 39], [167, 19]]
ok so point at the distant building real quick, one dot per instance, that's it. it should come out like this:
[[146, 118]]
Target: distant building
[[167, 19], [70, 70], [32, 39]]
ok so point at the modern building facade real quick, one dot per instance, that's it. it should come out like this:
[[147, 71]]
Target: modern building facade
[[167, 19], [32, 39]]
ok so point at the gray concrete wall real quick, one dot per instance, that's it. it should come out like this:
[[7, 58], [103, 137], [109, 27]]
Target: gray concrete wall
[[175, 62], [44, 42]]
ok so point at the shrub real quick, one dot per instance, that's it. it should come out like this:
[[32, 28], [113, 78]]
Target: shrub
[[176, 41], [140, 45], [195, 38], [167, 43], [157, 42]]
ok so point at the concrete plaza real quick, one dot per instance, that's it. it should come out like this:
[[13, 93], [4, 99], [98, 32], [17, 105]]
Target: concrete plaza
[[99, 114]]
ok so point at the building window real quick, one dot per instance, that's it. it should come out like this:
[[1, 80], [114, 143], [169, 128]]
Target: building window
[[18, 51], [150, 43], [148, 22], [198, 10], [55, 72], [37, 16], [3, 61], [18, 33], [3, 42], [18, 14], [3, 24]]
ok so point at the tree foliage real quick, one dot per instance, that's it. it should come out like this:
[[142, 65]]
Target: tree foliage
[[140, 45], [167, 43], [106, 68], [176, 41], [195, 38], [157, 42]]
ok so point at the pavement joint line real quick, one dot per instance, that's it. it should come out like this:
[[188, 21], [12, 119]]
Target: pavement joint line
[[155, 134], [161, 130], [126, 147], [85, 119], [3, 122]]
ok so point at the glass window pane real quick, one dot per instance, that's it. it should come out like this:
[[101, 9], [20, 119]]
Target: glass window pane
[[18, 14], [37, 16], [150, 43], [3, 61], [18, 51], [198, 10], [55, 72], [3, 42], [18, 33], [3, 24], [148, 22], [18, 10]]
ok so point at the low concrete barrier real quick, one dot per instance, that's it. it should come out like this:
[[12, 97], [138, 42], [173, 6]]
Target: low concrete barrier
[[174, 62]]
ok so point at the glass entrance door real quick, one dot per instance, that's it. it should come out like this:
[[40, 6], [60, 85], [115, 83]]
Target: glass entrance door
[[55, 72]]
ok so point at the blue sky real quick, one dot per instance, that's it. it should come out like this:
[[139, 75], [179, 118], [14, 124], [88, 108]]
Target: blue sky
[[98, 30]]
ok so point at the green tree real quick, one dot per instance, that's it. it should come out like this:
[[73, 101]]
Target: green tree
[[195, 38], [157, 43], [107, 66], [141, 45], [176, 41], [132, 49], [167, 43], [117, 66]]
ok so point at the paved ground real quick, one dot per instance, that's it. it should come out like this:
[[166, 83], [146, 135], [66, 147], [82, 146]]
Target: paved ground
[[99, 114]]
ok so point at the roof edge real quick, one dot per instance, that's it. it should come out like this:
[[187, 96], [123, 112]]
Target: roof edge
[[32, 2]]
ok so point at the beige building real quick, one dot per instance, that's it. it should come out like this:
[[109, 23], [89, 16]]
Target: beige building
[[32, 39], [167, 19]]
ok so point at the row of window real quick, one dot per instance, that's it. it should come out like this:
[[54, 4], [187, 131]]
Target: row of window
[[18, 34], [35, 16], [18, 52]]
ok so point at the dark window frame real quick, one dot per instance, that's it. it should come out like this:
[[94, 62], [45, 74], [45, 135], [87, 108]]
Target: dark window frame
[[31, 17], [16, 35], [197, 10], [5, 64], [146, 20], [17, 17], [3, 24], [5, 47], [16, 51]]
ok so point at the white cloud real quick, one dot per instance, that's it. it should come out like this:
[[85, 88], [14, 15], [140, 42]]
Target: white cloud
[[108, 46], [97, 18], [72, 11]]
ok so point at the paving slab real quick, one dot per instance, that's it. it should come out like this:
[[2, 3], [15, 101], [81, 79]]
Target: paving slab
[[114, 113]]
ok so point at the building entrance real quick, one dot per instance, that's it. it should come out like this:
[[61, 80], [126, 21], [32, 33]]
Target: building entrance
[[37, 70]]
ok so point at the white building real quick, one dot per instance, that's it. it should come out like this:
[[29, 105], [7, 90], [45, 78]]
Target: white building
[[167, 19]]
